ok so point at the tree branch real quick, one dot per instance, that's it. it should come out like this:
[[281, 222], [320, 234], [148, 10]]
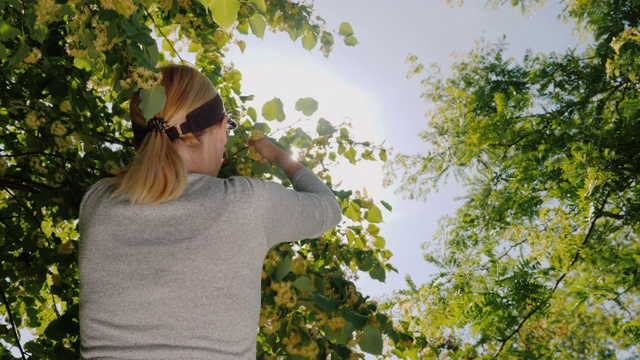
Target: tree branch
[[163, 35], [555, 287], [13, 323]]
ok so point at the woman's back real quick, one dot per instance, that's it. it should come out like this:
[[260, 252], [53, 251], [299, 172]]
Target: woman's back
[[182, 279]]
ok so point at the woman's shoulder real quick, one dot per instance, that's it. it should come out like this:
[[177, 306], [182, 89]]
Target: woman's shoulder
[[240, 185], [97, 191]]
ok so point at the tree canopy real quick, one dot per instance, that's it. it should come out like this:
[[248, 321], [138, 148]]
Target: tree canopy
[[542, 259], [67, 69]]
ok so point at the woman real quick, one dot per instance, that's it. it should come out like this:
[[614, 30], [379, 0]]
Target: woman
[[171, 256]]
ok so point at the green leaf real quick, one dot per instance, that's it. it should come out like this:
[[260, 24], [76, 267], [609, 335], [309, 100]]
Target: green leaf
[[307, 105], [383, 156], [301, 139], [6, 31], [152, 101], [386, 205], [378, 273], [273, 110], [283, 268], [345, 29], [153, 53], [357, 320], [325, 128], [224, 12], [262, 127], [242, 45], [353, 212], [251, 111], [351, 40], [258, 25], [380, 242], [324, 303], [309, 39], [303, 283], [326, 38], [371, 340], [194, 46], [259, 5], [81, 63], [350, 155], [374, 214], [243, 28], [20, 54], [294, 32], [340, 336]]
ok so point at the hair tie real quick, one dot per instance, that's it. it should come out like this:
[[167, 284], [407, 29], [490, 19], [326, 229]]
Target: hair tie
[[157, 124]]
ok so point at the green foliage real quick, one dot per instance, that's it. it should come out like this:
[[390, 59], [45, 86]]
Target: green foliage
[[152, 101], [68, 69], [541, 259], [307, 106], [273, 110]]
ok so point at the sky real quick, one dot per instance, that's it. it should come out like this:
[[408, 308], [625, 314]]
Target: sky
[[367, 86]]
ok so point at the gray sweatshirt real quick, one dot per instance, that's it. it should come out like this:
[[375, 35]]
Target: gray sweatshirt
[[181, 280]]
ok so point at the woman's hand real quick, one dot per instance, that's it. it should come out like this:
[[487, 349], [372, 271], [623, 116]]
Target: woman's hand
[[272, 153]]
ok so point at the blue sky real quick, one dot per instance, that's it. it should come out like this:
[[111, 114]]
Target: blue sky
[[367, 86]]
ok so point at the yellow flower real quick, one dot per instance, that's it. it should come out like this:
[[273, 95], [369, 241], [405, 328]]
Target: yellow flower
[[298, 266], [272, 326], [33, 57], [4, 166], [65, 107], [63, 144], [284, 297], [145, 78], [126, 8], [65, 248], [336, 323], [254, 154], [256, 134], [58, 129], [45, 11], [32, 120]]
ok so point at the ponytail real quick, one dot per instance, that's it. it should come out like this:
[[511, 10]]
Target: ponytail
[[158, 174]]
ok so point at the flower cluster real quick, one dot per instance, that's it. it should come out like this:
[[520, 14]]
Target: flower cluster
[[102, 43], [298, 266], [336, 323], [100, 85], [45, 11], [4, 166], [64, 144], [272, 327], [32, 121], [59, 176], [145, 78], [58, 128], [126, 8], [77, 27], [293, 346], [65, 248], [352, 295], [65, 107], [165, 4], [284, 297], [36, 164], [33, 57]]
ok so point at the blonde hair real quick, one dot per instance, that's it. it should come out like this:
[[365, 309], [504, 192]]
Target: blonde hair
[[158, 174]]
